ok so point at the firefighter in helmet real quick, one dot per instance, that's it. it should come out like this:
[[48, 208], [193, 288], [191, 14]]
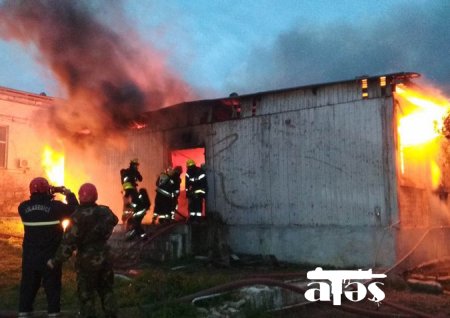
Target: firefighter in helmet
[[129, 178], [195, 189], [41, 216], [175, 176], [165, 195], [135, 203], [90, 228]]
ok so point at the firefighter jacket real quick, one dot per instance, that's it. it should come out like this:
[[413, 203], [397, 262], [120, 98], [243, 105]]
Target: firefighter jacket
[[176, 181], [90, 228], [130, 177], [41, 217], [165, 185], [195, 182]]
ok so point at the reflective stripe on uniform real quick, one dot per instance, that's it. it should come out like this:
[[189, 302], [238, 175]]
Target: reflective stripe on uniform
[[200, 191], [127, 185], [164, 192], [40, 223], [201, 176]]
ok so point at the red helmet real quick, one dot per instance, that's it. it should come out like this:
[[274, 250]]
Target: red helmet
[[39, 185], [87, 193]]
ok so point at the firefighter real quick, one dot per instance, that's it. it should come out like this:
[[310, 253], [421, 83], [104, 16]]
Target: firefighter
[[175, 176], [134, 209], [129, 178], [164, 198], [90, 228], [41, 216], [195, 189]]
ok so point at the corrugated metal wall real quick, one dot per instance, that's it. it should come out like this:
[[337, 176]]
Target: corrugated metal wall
[[307, 175], [311, 162]]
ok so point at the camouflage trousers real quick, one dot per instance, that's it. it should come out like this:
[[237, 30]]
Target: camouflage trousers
[[101, 282]]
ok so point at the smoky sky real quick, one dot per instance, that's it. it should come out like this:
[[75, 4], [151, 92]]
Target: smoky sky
[[413, 38], [108, 75]]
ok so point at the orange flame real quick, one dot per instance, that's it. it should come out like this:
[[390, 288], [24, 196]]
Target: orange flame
[[65, 223], [420, 124], [53, 164]]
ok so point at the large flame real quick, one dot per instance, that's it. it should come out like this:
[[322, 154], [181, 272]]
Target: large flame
[[53, 164], [420, 126]]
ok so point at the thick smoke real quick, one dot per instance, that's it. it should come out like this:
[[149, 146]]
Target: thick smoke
[[107, 75], [413, 38]]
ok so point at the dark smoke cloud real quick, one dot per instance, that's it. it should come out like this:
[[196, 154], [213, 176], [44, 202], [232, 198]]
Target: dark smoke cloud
[[108, 76], [411, 39]]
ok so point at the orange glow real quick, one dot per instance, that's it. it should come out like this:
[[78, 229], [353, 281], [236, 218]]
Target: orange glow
[[435, 174], [53, 164], [179, 158], [65, 223], [424, 120], [420, 125]]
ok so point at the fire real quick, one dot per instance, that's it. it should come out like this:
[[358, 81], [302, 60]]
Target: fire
[[65, 223], [425, 119], [53, 164], [420, 126]]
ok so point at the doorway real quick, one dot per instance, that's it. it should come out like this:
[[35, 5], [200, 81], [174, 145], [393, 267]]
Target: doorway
[[178, 158]]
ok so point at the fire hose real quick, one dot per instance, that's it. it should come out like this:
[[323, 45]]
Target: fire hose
[[271, 282], [220, 289]]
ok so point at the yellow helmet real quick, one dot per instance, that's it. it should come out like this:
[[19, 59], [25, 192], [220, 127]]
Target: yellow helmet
[[190, 163], [134, 161]]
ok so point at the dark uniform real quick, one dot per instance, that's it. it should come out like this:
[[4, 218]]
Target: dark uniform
[[195, 190], [175, 176], [165, 194], [129, 178], [134, 208], [42, 216], [91, 226]]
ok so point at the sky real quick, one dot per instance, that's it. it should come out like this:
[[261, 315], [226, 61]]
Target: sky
[[219, 47]]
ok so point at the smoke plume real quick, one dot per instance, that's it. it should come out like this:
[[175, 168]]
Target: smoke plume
[[108, 76], [412, 38]]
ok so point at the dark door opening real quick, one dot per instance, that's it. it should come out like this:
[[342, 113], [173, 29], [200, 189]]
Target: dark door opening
[[178, 158]]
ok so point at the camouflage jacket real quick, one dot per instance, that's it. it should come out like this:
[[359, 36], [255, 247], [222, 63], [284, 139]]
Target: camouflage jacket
[[89, 230]]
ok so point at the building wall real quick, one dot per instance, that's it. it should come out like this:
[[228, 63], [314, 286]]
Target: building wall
[[18, 113], [306, 175], [306, 179]]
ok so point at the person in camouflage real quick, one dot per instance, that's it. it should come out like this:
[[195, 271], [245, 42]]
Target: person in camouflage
[[90, 228]]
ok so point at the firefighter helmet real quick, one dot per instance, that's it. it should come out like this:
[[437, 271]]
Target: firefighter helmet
[[39, 185], [190, 162], [87, 193], [134, 161], [178, 170]]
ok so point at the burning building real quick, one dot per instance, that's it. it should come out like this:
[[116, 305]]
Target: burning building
[[344, 173], [23, 152]]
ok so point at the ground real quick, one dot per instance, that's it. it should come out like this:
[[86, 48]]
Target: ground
[[154, 290]]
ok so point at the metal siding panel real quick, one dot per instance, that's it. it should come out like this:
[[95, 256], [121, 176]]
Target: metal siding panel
[[342, 179]]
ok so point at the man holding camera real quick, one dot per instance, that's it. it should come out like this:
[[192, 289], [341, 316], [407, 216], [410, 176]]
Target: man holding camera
[[41, 216]]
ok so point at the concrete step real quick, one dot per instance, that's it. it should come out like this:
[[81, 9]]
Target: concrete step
[[163, 243]]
